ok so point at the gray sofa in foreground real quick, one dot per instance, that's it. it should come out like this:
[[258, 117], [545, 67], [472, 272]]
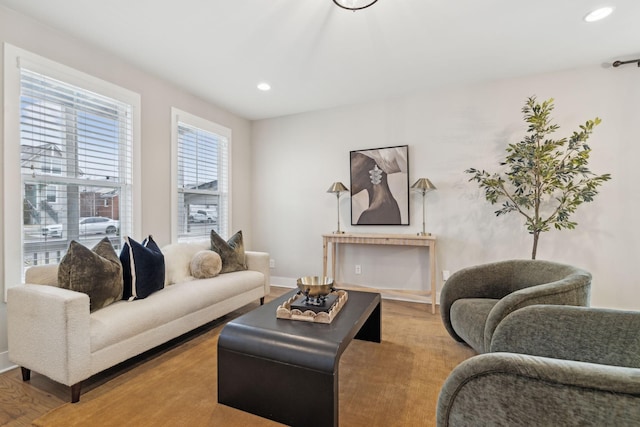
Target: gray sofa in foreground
[[550, 366], [474, 300]]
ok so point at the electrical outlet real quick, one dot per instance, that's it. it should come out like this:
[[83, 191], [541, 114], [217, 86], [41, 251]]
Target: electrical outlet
[[445, 275], [358, 269], [272, 263]]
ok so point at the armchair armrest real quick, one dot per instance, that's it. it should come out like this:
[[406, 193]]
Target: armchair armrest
[[516, 389], [586, 334], [479, 281], [48, 331], [259, 261], [572, 290]]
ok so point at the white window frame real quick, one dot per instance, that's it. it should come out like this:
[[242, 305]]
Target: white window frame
[[14, 57], [178, 116]]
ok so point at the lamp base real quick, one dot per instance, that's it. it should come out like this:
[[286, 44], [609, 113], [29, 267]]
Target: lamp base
[[422, 233], [338, 232]]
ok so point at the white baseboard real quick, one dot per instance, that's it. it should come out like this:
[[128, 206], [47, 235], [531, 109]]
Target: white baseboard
[[285, 282], [392, 294], [5, 363]]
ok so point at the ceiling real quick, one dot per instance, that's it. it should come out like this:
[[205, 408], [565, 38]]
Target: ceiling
[[316, 55]]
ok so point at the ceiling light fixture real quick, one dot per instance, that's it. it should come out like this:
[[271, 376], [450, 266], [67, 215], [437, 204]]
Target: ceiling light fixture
[[598, 14], [354, 4], [264, 86]]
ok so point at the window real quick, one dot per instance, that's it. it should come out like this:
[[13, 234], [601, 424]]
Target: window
[[201, 173], [74, 150], [51, 193]]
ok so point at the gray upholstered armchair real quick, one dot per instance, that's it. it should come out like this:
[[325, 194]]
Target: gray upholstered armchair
[[554, 365], [474, 300]]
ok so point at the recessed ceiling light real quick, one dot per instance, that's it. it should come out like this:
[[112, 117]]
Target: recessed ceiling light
[[264, 86], [598, 14]]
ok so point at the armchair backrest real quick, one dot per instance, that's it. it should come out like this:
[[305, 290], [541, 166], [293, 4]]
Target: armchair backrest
[[526, 273]]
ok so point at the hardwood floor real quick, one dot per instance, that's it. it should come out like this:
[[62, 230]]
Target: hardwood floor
[[22, 402]]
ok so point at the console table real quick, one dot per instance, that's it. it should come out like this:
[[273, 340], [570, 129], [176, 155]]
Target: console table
[[382, 239]]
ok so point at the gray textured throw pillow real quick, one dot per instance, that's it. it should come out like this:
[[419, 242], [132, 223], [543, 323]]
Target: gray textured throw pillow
[[96, 272], [231, 252]]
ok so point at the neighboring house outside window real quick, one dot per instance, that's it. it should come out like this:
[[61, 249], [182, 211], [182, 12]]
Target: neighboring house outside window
[[201, 175], [76, 148]]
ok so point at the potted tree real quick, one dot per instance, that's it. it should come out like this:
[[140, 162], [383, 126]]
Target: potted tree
[[545, 179]]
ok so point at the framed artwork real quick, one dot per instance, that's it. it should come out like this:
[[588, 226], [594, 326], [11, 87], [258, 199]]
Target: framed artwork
[[380, 186]]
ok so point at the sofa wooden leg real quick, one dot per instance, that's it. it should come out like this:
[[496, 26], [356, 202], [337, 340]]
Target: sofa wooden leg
[[75, 392], [26, 373], [261, 300]]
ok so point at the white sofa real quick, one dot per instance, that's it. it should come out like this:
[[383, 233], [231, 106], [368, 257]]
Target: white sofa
[[52, 332]]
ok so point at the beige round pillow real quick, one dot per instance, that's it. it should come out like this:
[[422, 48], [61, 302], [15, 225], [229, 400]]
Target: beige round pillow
[[205, 264]]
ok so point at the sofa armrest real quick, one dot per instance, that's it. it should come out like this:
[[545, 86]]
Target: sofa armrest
[[516, 389], [259, 261], [587, 334], [48, 331]]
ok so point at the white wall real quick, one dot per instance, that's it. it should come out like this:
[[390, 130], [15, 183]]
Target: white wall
[[157, 99], [297, 157]]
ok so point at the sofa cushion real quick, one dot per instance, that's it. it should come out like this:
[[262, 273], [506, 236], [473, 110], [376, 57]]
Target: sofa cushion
[[206, 264], [231, 252], [46, 274], [96, 272], [119, 322], [143, 268]]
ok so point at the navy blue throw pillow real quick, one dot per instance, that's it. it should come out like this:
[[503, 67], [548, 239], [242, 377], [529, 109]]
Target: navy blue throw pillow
[[142, 268]]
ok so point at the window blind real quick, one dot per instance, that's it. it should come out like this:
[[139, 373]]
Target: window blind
[[203, 182], [76, 163]]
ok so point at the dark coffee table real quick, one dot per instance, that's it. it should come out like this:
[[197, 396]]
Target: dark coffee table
[[287, 370]]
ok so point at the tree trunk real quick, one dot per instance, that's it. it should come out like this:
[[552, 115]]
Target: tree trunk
[[536, 234]]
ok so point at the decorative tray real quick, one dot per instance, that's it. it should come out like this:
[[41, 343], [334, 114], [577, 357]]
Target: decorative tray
[[285, 311]]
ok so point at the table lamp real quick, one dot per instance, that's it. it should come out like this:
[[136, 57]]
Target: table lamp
[[337, 188], [423, 185]]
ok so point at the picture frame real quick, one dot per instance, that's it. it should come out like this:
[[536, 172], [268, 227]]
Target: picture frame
[[380, 186]]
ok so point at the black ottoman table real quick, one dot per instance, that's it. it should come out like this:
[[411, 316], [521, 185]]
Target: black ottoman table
[[287, 370]]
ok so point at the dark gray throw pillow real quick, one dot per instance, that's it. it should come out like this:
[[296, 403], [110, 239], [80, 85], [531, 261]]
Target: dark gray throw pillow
[[142, 268], [96, 272], [231, 252]]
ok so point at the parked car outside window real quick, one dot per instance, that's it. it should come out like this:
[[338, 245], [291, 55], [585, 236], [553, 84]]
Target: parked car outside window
[[52, 230], [99, 225], [201, 216], [88, 225]]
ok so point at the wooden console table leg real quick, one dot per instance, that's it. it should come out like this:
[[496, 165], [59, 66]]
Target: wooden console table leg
[[333, 262], [324, 256], [432, 272], [325, 243]]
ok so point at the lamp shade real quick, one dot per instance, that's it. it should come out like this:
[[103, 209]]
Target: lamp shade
[[337, 187], [423, 184]]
